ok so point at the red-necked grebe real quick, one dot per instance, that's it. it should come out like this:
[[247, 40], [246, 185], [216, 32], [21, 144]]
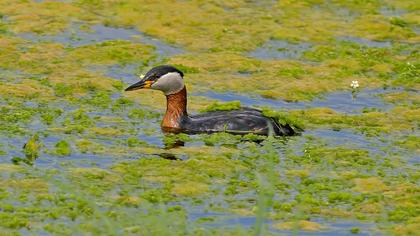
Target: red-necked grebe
[[170, 81]]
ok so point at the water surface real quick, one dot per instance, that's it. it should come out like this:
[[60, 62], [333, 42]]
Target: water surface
[[366, 42], [138, 142], [344, 102], [279, 49], [79, 35]]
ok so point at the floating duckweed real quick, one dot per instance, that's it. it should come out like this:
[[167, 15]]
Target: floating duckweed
[[134, 142], [18, 160], [339, 197], [411, 142], [186, 69], [112, 52], [285, 118], [141, 114], [295, 72], [86, 146], [81, 118], [3, 29], [106, 131], [353, 168], [91, 173], [402, 213], [224, 139], [408, 74], [128, 200], [225, 106], [398, 22], [372, 122], [189, 188], [298, 173], [407, 229], [171, 139], [62, 148], [354, 230], [253, 137], [122, 103], [31, 148], [14, 222], [50, 115], [99, 100], [302, 225], [62, 90], [368, 185], [119, 85]]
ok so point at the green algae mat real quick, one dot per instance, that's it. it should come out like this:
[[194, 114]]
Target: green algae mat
[[78, 156]]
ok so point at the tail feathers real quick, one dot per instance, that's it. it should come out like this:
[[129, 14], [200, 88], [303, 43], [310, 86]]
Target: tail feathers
[[285, 130]]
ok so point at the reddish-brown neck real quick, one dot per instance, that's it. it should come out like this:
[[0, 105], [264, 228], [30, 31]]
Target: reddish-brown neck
[[176, 108]]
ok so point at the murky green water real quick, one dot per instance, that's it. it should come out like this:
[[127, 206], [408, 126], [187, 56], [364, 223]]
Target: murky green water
[[78, 155]]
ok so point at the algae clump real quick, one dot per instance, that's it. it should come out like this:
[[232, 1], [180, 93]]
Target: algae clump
[[285, 118], [225, 106], [62, 148], [31, 148], [346, 167], [302, 225]]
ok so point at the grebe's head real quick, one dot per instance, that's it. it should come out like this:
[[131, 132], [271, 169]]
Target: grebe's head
[[167, 79]]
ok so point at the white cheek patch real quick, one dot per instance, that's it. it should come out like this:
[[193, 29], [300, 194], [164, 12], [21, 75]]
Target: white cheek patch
[[169, 84]]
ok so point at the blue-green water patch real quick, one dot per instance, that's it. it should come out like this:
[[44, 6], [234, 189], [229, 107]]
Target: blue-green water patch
[[365, 42], [128, 73], [279, 49], [11, 75], [125, 73], [341, 228], [344, 102], [76, 37], [383, 145], [392, 12]]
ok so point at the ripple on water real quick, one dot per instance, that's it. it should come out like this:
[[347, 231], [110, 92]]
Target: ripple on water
[[280, 49], [342, 102]]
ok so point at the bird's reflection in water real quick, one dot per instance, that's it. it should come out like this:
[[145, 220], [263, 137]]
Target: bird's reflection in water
[[171, 145], [169, 156], [174, 142]]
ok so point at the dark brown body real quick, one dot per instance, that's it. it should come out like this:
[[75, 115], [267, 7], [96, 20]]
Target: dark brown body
[[243, 121]]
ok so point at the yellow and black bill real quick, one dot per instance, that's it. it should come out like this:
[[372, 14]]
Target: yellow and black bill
[[142, 84]]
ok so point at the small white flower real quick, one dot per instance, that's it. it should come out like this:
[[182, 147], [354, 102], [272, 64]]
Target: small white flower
[[141, 76], [354, 84]]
